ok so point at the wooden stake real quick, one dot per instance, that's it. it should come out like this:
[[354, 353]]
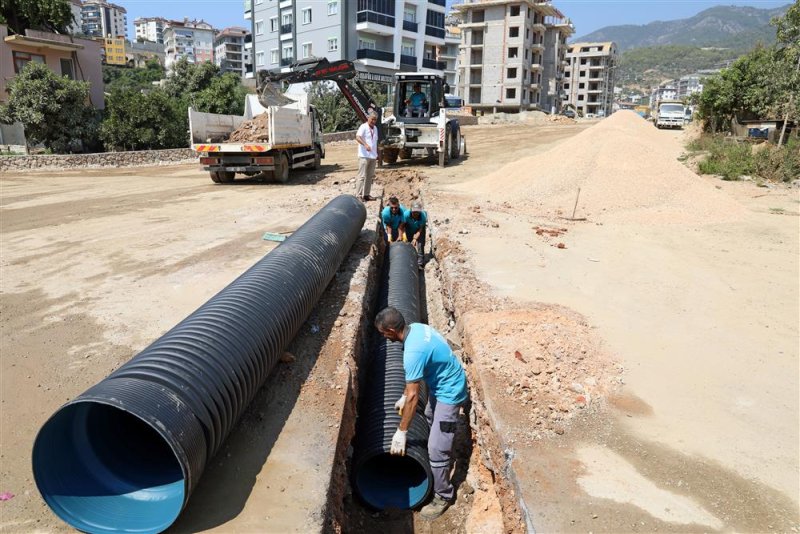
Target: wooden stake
[[576, 202]]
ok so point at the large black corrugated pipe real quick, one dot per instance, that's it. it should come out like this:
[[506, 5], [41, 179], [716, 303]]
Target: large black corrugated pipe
[[381, 479], [125, 455]]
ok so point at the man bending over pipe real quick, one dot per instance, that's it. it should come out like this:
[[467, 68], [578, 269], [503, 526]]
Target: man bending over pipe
[[427, 356]]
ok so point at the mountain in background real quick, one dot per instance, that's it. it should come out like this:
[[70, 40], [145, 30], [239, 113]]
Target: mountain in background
[[720, 26]]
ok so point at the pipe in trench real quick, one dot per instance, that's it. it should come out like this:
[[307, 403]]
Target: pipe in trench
[[381, 479], [125, 455]]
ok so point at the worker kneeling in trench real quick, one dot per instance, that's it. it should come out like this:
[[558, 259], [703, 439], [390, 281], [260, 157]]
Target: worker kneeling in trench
[[428, 357]]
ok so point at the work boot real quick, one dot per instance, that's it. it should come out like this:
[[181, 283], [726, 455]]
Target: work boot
[[435, 508]]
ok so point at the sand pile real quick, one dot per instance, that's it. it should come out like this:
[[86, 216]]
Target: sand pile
[[253, 130], [627, 171]]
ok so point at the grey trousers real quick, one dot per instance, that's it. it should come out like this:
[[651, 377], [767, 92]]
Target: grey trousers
[[442, 419], [366, 172], [420, 246]]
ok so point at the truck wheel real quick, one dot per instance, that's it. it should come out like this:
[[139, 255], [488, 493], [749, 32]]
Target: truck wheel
[[225, 176], [317, 158], [405, 153], [390, 155], [214, 177], [444, 154], [455, 145], [282, 168]]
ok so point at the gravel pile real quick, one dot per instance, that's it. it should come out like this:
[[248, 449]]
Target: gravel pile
[[621, 177], [253, 130]]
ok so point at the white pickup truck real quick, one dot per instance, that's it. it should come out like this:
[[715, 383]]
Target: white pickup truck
[[670, 114], [294, 141]]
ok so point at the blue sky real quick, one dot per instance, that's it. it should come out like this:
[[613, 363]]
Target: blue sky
[[587, 15]]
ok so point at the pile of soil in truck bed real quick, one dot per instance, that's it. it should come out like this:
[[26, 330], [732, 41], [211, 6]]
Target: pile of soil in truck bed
[[253, 130]]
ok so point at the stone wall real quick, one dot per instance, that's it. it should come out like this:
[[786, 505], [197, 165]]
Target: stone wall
[[137, 158]]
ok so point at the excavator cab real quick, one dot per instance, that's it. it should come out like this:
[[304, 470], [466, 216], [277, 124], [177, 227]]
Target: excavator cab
[[418, 97]]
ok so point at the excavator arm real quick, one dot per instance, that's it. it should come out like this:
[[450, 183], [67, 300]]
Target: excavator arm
[[315, 70]]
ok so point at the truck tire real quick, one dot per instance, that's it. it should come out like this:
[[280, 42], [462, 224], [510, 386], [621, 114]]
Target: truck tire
[[390, 155], [226, 177], [214, 177], [444, 154], [317, 158], [282, 168], [405, 153], [455, 145]]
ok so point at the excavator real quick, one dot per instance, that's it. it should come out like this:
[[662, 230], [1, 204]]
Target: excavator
[[420, 122]]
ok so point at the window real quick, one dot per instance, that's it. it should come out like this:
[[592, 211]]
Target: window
[[259, 58], [583, 61], [307, 15], [333, 7], [511, 73], [513, 11], [581, 86], [478, 15], [513, 32], [274, 56], [366, 43], [66, 69], [259, 27], [408, 48], [583, 74], [273, 24], [566, 86], [511, 93], [512, 52], [307, 50], [288, 52], [286, 19], [580, 97], [333, 44], [23, 58], [410, 14]]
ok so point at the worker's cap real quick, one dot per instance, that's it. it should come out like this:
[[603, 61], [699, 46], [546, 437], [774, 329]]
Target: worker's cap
[[416, 206]]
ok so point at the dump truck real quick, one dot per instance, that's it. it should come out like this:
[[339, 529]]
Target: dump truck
[[670, 114], [272, 140]]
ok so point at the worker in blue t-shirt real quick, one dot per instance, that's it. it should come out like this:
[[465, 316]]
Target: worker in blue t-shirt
[[416, 220], [417, 103], [393, 219], [428, 357]]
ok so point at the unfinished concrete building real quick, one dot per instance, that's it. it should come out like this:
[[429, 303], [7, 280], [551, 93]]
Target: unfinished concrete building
[[506, 62], [589, 78]]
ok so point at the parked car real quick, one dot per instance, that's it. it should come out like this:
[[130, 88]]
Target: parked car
[[569, 113]]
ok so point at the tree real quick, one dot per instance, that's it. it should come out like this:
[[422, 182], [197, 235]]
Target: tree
[[189, 78], [788, 26], [225, 94], [336, 112], [144, 121], [788, 34], [114, 77], [53, 109], [48, 15]]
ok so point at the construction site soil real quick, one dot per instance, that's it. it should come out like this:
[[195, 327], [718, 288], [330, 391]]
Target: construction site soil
[[614, 354]]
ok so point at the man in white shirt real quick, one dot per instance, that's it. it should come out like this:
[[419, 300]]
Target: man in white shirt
[[367, 139]]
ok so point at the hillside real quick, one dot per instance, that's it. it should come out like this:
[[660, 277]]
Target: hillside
[[720, 26]]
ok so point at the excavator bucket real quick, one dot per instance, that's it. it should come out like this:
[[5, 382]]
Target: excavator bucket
[[270, 95]]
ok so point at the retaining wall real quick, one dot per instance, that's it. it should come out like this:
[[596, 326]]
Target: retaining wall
[[136, 158]]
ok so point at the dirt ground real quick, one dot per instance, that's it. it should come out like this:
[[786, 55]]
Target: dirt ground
[[640, 377]]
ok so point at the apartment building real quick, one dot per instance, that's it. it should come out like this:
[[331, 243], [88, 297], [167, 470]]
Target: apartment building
[[229, 50], [665, 91], [139, 53], [689, 85], [113, 50], [589, 79], [449, 55], [75, 6], [101, 19], [557, 30], [503, 53], [385, 36], [192, 39], [150, 29]]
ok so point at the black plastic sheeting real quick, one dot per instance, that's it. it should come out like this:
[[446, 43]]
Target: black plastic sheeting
[[381, 479], [125, 455]]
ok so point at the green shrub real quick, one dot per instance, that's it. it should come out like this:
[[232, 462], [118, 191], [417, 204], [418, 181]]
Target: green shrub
[[733, 160], [781, 164]]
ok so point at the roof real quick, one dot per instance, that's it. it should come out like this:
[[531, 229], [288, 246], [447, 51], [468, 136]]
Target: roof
[[606, 46], [543, 7]]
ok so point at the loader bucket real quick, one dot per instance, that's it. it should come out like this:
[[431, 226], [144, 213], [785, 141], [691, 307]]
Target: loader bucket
[[271, 95]]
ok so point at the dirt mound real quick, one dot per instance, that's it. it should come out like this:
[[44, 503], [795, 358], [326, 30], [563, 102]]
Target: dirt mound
[[253, 130], [402, 183], [626, 171], [545, 364]]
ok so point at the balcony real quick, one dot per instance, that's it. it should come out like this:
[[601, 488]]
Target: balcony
[[442, 3], [286, 28], [410, 26], [537, 46], [536, 66], [372, 21], [380, 55], [434, 32], [285, 61], [538, 26], [433, 64], [408, 60]]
